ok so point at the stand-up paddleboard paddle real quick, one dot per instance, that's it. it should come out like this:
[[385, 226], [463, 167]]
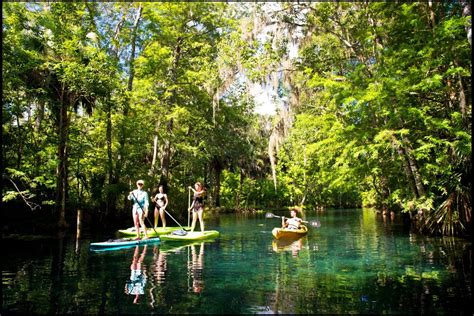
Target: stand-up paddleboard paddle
[[181, 232], [189, 204], [144, 214], [124, 242]]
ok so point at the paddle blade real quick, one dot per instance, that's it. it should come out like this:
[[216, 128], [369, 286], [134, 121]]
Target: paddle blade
[[179, 232], [315, 223], [269, 215]]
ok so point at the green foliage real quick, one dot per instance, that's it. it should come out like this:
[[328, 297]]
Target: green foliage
[[316, 165], [23, 187], [380, 104], [390, 96]]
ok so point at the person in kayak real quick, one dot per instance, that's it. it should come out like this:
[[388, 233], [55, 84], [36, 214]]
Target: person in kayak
[[140, 207], [198, 205], [161, 200], [291, 223]]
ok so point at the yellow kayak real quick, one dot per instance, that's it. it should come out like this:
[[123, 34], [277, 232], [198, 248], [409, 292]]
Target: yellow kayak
[[289, 233]]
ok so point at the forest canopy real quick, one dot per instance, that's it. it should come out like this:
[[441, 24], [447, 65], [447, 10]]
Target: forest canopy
[[373, 106]]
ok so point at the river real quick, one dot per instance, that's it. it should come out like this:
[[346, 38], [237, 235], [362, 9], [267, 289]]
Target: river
[[356, 262]]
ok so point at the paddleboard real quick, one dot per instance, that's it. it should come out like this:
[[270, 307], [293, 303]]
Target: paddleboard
[[131, 232], [123, 242], [108, 249], [191, 236]]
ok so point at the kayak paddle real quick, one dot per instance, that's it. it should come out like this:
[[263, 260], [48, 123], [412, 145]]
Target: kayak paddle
[[314, 223]]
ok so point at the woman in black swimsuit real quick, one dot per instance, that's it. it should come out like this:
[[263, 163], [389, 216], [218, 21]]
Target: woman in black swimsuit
[[198, 205], [161, 200]]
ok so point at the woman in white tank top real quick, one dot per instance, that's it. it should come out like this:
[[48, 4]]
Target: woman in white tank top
[[293, 222]]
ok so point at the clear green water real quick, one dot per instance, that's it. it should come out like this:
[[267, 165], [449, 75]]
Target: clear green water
[[355, 263]]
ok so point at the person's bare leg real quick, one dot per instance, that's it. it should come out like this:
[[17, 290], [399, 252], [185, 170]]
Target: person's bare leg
[[142, 223], [163, 219], [155, 218], [136, 223], [193, 224], [201, 222]]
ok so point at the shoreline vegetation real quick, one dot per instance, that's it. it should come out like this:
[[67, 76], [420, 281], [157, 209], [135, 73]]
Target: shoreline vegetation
[[373, 108], [39, 227]]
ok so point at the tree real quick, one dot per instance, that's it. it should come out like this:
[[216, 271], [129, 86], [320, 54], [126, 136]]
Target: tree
[[68, 71]]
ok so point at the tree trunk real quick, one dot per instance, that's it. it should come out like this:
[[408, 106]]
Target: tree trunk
[[304, 177], [131, 76], [406, 167], [20, 144], [39, 115], [217, 186], [271, 155], [166, 152], [133, 48], [462, 97], [467, 12], [110, 201], [461, 94], [416, 172], [408, 172], [215, 172], [172, 73], [155, 150], [210, 191], [62, 172], [38, 130], [431, 14], [239, 192]]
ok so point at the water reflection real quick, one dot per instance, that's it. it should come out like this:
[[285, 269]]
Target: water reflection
[[353, 264], [386, 216], [159, 268], [195, 268], [292, 245], [136, 284]]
